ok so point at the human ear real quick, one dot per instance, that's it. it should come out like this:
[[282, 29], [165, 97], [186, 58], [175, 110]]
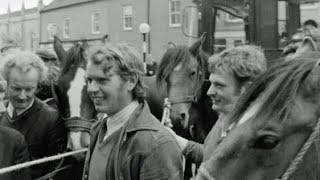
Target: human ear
[[132, 82], [245, 86]]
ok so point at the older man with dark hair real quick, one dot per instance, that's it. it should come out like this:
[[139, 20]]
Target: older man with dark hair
[[41, 125], [127, 142]]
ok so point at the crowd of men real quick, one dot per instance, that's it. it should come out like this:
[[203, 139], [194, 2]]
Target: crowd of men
[[127, 141]]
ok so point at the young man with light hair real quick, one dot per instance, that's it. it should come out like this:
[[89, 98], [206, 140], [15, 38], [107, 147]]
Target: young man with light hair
[[127, 141], [231, 72]]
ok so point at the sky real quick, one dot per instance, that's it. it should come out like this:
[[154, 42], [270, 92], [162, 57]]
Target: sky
[[15, 5]]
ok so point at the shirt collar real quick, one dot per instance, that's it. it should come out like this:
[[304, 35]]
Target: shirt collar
[[10, 108], [118, 120]]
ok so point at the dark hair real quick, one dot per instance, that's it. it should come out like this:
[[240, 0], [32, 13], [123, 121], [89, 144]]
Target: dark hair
[[311, 22]]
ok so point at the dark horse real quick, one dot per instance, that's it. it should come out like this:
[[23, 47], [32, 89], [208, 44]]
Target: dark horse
[[183, 77]]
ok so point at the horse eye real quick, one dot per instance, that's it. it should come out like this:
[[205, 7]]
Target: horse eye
[[266, 142], [193, 73]]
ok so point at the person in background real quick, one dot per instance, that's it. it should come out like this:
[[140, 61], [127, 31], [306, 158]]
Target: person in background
[[40, 124], [231, 72], [44, 91], [127, 141], [13, 150]]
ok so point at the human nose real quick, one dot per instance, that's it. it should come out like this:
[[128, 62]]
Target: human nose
[[22, 94], [92, 87], [212, 91]]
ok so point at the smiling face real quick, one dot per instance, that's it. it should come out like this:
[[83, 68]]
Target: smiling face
[[224, 91], [109, 92], [275, 118], [22, 87]]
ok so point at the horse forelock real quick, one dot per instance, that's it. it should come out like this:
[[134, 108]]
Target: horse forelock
[[75, 57], [178, 56], [275, 91], [169, 61]]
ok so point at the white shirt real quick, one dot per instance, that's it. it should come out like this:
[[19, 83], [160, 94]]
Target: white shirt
[[10, 109], [118, 120]]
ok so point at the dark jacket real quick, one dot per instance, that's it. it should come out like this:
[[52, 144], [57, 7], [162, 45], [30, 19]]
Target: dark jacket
[[145, 150], [44, 132], [13, 150]]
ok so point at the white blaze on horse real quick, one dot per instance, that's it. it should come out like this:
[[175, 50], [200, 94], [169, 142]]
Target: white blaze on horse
[[274, 122], [70, 93]]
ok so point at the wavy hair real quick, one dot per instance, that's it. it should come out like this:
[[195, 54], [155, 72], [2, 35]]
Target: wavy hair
[[24, 61], [128, 60], [246, 62]]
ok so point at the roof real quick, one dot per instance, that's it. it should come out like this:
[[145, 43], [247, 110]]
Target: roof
[[56, 4]]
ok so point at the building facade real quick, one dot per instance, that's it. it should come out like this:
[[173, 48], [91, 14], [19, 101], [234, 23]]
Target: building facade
[[23, 26], [73, 20]]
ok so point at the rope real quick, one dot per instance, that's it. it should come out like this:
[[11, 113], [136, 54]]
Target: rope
[[40, 161], [166, 113], [299, 158]]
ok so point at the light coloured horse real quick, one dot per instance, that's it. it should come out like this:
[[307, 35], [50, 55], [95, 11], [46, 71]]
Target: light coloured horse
[[274, 120]]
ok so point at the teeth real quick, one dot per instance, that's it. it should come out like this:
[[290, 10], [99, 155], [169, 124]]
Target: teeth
[[98, 99]]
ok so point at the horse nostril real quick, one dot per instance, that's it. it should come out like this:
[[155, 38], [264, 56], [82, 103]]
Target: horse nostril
[[183, 116]]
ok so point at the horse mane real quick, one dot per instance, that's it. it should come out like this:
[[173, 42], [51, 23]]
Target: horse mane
[[74, 57], [276, 90]]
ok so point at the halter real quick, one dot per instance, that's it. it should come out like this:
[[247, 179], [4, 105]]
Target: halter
[[195, 96]]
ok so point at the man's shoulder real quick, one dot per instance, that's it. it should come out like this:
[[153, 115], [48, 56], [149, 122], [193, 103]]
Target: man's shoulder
[[10, 134], [45, 108]]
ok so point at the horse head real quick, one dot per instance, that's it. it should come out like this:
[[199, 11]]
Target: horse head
[[181, 74], [70, 92], [274, 119]]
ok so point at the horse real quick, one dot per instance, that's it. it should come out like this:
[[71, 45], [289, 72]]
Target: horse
[[182, 76], [276, 135]]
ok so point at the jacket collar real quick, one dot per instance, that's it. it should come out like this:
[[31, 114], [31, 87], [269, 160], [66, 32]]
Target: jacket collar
[[142, 119]]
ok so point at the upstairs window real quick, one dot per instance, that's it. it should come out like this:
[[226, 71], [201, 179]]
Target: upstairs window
[[127, 17], [174, 13], [95, 23], [66, 28]]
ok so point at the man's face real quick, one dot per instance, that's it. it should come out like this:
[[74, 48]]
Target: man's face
[[22, 87], [109, 92], [224, 91]]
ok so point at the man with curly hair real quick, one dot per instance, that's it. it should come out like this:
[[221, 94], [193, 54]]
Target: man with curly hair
[[41, 125], [127, 142]]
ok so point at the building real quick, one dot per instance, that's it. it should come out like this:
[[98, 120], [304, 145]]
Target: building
[[74, 20], [23, 26]]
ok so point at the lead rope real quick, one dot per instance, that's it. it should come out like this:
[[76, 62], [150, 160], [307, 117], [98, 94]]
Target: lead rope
[[166, 113], [299, 158], [40, 161]]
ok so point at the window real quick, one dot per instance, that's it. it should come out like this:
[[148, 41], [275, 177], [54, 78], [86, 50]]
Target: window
[[219, 45], [237, 42], [127, 17], [309, 6], [95, 23], [174, 13], [52, 30], [66, 28], [232, 19]]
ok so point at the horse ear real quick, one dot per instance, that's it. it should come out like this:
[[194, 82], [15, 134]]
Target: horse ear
[[307, 45], [58, 48], [171, 45], [194, 49]]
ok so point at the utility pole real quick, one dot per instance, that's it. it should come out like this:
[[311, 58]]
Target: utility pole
[[208, 24]]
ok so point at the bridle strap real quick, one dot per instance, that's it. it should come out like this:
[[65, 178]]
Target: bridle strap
[[78, 123], [185, 99], [299, 157]]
